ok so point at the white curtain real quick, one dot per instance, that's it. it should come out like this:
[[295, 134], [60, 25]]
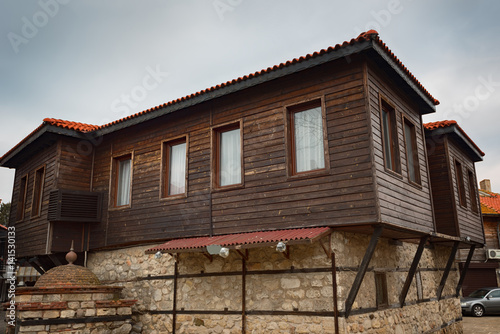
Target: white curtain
[[123, 191], [230, 158], [387, 139], [177, 169], [309, 150], [410, 154]]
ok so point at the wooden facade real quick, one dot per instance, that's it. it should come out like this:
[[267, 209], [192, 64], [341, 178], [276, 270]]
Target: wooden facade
[[355, 190], [454, 184]]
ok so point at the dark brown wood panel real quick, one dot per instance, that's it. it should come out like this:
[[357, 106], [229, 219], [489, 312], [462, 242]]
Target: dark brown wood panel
[[31, 231], [401, 202], [469, 222]]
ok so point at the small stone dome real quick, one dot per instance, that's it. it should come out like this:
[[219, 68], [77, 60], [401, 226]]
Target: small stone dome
[[69, 275], [66, 276]]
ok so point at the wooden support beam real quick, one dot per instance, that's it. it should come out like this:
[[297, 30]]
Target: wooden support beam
[[327, 249], [244, 256], [413, 269], [447, 269], [208, 256], [362, 270], [464, 270]]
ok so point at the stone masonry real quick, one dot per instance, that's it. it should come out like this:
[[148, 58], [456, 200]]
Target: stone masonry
[[280, 299]]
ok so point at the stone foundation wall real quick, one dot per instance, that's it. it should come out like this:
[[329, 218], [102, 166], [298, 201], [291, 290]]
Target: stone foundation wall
[[150, 281], [78, 313]]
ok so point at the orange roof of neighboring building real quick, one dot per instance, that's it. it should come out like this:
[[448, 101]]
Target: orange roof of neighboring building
[[371, 35], [445, 124], [490, 203]]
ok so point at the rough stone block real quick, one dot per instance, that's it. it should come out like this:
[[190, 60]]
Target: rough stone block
[[90, 312], [106, 311], [68, 313], [74, 305], [51, 314], [123, 311], [90, 304]]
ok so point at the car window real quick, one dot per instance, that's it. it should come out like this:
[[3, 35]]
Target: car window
[[479, 293], [495, 294]]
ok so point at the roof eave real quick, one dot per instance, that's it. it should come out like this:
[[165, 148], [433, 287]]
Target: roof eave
[[476, 155], [8, 159], [429, 104], [342, 52]]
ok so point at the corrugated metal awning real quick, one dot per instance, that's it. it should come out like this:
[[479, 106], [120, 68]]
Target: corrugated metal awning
[[243, 240]]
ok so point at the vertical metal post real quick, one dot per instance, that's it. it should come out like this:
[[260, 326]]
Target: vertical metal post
[[464, 270], [243, 295], [334, 283], [174, 307]]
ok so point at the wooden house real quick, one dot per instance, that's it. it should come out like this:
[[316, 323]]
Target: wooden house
[[333, 140]]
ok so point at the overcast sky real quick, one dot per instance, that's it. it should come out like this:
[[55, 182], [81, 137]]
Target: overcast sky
[[75, 60]]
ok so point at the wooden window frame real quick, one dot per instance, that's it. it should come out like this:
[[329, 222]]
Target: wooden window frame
[[381, 292], [290, 111], [459, 175], [416, 160], [165, 166], [37, 198], [114, 179], [395, 156], [21, 201], [474, 205], [215, 163]]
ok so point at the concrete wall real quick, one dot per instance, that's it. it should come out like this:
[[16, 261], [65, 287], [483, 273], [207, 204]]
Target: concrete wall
[[283, 292]]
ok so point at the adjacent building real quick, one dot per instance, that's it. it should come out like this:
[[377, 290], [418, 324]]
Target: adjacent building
[[306, 197]]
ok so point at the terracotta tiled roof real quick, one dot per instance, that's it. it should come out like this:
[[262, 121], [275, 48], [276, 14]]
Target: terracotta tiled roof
[[363, 37], [366, 36], [82, 127], [445, 124], [490, 204], [241, 239]]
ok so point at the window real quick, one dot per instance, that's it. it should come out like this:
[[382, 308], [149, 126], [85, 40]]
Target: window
[[307, 150], [37, 192], [122, 172], [227, 171], [174, 167], [21, 201], [472, 191], [381, 289], [412, 152], [460, 184], [390, 137]]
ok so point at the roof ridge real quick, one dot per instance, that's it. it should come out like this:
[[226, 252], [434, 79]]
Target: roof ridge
[[364, 36]]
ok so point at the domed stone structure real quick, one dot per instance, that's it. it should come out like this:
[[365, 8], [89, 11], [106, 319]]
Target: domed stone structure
[[68, 275], [68, 298]]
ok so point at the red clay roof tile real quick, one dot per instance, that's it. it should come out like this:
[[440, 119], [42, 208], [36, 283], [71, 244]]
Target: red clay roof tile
[[490, 204], [77, 126], [366, 36], [445, 124]]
